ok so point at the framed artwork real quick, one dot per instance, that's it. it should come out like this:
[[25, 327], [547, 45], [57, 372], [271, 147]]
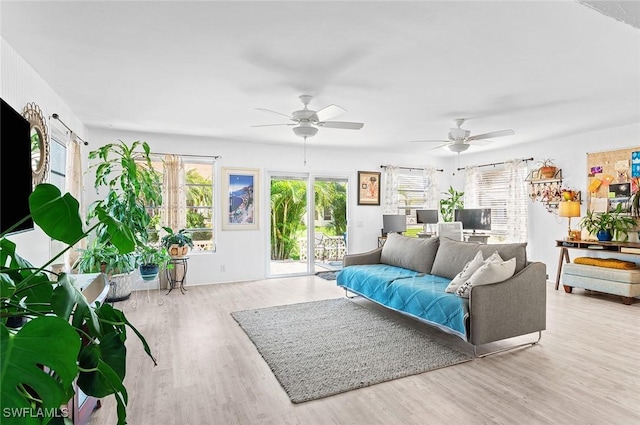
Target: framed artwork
[[240, 195], [368, 188]]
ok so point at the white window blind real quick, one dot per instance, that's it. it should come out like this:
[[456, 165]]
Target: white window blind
[[413, 189], [505, 192]]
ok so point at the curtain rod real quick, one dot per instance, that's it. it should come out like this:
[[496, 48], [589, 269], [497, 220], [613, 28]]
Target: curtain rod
[[184, 154], [57, 117], [496, 163], [411, 168]]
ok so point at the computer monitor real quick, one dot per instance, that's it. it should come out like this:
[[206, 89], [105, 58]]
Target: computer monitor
[[393, 223], [474, 218], [427, 217]]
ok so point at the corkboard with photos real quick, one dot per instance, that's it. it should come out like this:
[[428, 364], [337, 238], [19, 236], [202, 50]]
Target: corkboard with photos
[[612, 178]]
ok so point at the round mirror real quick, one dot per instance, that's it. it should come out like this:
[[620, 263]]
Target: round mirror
[[39, 142]]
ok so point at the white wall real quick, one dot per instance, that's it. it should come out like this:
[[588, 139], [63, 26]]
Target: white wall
[[569, 154], [19, 85], [244, 253]]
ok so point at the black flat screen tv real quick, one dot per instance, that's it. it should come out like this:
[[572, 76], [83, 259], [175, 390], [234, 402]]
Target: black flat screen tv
[[474, 218], [16, 180]]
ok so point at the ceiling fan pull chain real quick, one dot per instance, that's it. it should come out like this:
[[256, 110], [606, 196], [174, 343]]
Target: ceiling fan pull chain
[[305, 151]]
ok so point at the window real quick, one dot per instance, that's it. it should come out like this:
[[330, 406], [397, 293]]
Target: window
[[58, 164], [505, 192], [187, 198], [415, 192]]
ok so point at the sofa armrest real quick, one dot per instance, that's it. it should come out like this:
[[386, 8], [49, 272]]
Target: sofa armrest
[[369, 257], [516, 306]]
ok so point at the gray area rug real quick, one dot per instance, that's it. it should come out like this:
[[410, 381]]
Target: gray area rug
[[332, 275], [322, 348]]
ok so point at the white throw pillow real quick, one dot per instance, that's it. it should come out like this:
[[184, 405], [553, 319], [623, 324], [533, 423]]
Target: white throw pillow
[[466, 273], [494, 258], [489, 272]]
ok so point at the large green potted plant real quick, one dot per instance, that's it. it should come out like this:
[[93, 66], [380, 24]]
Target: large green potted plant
[[452, 200], [607, 225], [132, 185], [50, 336]]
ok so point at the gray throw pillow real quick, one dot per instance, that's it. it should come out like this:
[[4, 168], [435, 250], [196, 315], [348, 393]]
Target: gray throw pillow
[[453, 255], [410, 253], [508, 251]]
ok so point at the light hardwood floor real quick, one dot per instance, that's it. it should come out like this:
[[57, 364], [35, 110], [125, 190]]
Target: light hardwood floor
[[584, 371]]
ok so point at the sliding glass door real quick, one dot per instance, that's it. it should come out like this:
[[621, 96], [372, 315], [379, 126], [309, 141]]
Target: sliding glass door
[[307, 224]]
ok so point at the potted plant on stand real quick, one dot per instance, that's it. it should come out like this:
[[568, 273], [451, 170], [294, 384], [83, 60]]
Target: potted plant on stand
[[177, 243], [52, 339], [151, 259], [607, 225], [132, 185]]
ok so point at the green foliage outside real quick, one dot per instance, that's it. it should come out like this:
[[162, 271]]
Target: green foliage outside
[[288, 206], [288, 209]]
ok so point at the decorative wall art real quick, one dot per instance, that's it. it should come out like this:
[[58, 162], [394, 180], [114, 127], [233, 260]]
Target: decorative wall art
[[613, 183], [368, 188], [240, 195]]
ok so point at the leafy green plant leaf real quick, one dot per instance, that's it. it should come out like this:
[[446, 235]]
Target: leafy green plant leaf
[[57, 215], [22, 359]]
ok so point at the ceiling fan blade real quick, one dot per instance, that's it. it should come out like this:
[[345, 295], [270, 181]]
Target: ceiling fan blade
[[274, 112], [272, 125], [329, 112], [430, 141], [492, 134], [483, 142], [341, 124], [442, 145]]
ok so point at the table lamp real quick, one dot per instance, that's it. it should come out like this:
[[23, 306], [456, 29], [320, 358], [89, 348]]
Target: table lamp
[[394, 223], [569, 209]]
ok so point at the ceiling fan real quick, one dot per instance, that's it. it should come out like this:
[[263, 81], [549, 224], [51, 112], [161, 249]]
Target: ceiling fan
[[307, 121], [460, 139]]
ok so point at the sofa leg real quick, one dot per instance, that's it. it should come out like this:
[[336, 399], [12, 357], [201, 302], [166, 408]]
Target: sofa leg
[[627, 300], [346, 294], [475, 347], [568, 289]]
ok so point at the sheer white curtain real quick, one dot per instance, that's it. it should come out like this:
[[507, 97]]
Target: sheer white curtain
[[471, 197], [174, 207], [73, 185], [432, 186], [390, 196], [517, 197]]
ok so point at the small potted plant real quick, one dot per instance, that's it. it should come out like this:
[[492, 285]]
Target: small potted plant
[[177, 243], [606, 225], [454, 200], [546, 169], [150, 259]]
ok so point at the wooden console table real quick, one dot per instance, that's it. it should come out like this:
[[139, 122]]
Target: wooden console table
[[597, 246]]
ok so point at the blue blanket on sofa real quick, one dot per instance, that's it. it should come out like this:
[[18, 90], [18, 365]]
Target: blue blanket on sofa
[[416, 294]]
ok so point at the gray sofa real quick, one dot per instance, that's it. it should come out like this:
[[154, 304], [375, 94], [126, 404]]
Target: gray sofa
[[410, 275]]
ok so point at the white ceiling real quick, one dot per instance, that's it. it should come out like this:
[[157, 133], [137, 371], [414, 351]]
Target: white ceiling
[[406, 69]]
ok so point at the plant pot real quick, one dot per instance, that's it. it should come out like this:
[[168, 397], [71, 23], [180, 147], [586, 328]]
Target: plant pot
[[120, 287], [178, 250], [604, 235], [548, 172], [149, 271]]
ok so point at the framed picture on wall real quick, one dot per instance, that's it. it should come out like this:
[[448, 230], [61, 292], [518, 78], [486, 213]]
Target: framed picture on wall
[[368, 188], [240, 195]]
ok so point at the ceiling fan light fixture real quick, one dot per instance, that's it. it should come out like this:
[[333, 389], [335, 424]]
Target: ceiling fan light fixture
[[458, 147], [304, 131]]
